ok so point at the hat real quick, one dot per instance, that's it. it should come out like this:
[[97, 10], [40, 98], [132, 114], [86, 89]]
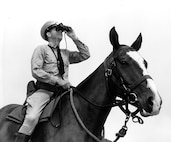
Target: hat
[[46, 27]]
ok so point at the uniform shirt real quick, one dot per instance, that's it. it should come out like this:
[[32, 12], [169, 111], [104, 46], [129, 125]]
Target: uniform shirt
[[44, 63]]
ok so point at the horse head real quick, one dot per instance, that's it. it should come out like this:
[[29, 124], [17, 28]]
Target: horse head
[[130, 68]]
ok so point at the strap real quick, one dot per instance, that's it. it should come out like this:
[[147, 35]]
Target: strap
[[138, 82], [79, 119], [60, 62]]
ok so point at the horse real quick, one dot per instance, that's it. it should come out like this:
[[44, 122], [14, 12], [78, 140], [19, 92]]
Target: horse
[[120, 80]]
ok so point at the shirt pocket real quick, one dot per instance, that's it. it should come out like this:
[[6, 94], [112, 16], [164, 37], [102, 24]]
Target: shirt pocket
[[50, 59]]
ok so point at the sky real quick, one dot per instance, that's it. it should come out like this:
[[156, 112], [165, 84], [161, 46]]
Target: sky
[[91, 20]]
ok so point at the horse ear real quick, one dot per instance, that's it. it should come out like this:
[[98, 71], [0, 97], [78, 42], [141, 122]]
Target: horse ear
[[137, 43], [113, 36]]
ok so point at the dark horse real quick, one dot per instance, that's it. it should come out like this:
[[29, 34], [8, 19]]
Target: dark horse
[[122, 75]]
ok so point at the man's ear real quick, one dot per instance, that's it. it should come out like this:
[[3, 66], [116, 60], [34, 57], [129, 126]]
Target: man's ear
[[48, 34]]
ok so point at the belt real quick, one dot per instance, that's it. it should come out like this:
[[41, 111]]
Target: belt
[[49, 87]]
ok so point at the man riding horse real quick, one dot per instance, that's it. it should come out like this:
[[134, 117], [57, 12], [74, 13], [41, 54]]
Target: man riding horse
[[49, 66]]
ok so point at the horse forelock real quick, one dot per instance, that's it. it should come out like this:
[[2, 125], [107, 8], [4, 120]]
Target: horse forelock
[[122, 50]]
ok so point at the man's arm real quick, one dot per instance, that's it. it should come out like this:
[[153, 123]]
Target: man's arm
[[83, 51], [80, 55]]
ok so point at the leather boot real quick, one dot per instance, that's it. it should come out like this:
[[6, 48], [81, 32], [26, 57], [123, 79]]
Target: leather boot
[[22, 138]]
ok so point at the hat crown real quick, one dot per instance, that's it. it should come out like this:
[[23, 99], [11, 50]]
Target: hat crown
[[45, 27]]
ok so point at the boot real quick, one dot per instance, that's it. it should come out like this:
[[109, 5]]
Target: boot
[[22, 138]]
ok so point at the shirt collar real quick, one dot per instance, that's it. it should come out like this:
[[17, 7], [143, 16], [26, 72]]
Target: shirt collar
[[52, 45]]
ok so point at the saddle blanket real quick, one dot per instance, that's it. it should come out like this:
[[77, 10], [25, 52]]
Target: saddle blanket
[[18, 114]]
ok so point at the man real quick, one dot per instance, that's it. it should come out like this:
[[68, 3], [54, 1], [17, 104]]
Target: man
[[49, 67]]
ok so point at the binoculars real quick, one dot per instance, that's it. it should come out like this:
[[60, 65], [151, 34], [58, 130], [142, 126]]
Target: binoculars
[[63, 28]]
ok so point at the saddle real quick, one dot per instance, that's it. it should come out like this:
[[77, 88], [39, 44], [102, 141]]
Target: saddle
[[18, 114]]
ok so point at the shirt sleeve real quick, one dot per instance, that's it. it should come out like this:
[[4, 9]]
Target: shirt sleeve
[[38, 73], [80, 55]]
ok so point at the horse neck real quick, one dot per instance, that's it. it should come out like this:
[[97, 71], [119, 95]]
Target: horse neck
[[94, 89]]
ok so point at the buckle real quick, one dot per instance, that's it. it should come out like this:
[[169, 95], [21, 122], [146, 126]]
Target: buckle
[[108, 72], [132, 97]]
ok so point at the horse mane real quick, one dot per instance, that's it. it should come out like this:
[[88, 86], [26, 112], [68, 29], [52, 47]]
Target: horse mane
[[88, 79]]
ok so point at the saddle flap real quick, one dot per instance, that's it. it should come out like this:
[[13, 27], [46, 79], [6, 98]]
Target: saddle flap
[[18, 114]]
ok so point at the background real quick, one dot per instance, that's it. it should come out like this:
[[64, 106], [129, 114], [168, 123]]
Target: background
[[20, 25]]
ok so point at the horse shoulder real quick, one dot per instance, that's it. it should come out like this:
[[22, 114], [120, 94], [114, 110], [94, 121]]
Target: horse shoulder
[[7, 109], [7, 128]]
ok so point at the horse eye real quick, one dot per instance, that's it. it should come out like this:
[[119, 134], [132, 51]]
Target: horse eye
[[123, 62]]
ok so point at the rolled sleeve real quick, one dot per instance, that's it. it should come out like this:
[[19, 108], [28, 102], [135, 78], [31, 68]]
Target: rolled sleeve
[[80, 55]]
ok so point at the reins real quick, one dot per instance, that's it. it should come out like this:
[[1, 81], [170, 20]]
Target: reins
[[122, 131], [79, 119], [122, 104]]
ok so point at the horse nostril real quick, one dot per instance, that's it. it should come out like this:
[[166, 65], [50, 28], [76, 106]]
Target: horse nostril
[[150, 101]]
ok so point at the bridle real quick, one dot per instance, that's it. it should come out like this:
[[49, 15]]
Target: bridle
[[112, 74]]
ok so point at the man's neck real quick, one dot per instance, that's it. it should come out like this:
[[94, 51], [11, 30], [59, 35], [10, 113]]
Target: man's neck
[[53, 43]]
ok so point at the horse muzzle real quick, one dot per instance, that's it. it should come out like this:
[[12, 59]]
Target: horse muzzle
[[154, 106]]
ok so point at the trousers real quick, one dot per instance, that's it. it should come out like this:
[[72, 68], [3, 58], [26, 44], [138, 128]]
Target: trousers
[[35, 105]]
